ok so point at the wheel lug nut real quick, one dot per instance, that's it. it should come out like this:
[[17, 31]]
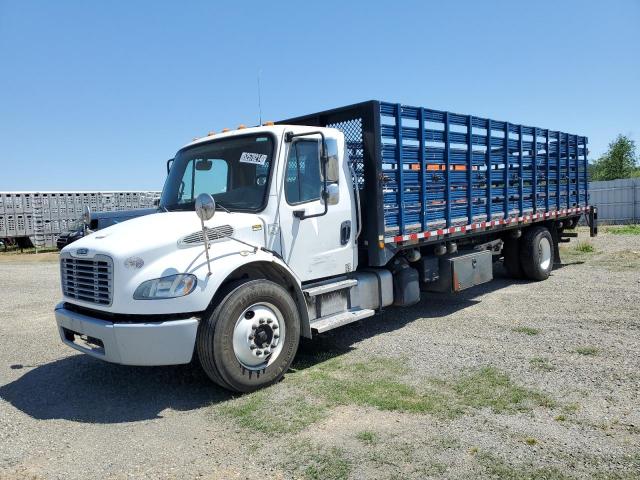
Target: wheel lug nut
[[252, 347], [258, 352], [264, 345], [269, 320], [251, 337], [262, 320], [276, 336], [253, 327], [273, 345], [275, 327]]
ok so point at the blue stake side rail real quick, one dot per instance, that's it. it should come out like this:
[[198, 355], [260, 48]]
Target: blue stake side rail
[[426, 174]]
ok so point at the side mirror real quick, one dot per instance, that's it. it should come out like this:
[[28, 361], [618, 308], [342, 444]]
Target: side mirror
[[332, 194], [205, 206], [332, 168], [86, 215]]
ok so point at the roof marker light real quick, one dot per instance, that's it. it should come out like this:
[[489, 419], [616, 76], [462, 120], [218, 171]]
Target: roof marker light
[[211, 134], [268, 124], [224, 130], [241, 126]]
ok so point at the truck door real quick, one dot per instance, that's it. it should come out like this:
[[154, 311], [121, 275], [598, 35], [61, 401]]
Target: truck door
[[324, 245]]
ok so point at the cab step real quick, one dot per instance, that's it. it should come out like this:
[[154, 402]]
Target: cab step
[[336, 320], [329, 287]]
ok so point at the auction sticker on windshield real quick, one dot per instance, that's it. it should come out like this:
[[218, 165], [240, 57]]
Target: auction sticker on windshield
[[254, 158]]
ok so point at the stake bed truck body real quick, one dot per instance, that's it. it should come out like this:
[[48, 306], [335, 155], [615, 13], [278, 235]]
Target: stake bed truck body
[[313, 223]]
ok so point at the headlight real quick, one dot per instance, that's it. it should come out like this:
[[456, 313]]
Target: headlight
[[166, 287]]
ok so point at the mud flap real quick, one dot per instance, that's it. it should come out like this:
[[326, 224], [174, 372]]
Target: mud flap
[[593, 221]]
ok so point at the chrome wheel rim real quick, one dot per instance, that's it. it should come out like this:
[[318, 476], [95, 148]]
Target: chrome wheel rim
[[258, 336], [544, 253]]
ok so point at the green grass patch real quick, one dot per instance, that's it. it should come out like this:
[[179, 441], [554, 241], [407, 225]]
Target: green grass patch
[[620, 260], [380, 383], [488, 387], [526, 330], [543, 364], [571, 408], [376, 383], [306, 396], [588, 351], [367, 437], [268, 412], [623, 230], [584, 247], [13, 250], [313, 462], [495, 467]]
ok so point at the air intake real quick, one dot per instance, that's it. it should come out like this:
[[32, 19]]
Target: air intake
[[216, 233]]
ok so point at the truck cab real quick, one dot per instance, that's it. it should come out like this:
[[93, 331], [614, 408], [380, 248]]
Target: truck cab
[[231, 287]]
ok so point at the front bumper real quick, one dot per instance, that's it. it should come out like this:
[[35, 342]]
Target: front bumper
[[154, 343]]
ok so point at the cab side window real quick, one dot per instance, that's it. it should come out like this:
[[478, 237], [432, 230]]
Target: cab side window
[[303, 181]]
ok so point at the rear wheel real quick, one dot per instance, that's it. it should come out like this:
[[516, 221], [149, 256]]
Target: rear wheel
[[536, 253], [251, 337], [511, 255]]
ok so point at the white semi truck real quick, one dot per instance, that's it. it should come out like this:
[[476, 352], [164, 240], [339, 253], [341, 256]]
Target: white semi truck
[[270, 233]]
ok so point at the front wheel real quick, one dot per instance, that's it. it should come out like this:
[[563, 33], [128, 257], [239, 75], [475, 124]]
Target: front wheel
[[251, 337]]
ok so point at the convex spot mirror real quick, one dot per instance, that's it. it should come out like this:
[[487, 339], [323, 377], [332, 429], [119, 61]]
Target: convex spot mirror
[[205, 206], [86, 215]]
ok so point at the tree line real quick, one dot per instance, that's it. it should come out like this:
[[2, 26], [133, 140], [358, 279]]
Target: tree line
[[620, 161]]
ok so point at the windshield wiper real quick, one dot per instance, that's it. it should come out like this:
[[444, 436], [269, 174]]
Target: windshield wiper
[[218, 204]]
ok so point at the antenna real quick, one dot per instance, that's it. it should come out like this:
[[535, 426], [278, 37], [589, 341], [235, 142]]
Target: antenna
[[259, 99]]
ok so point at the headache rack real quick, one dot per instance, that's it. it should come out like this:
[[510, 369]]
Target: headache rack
[[427, 174]]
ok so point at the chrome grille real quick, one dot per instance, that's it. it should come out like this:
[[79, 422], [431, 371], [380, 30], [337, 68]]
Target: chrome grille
[[87, 279], [215, 233]]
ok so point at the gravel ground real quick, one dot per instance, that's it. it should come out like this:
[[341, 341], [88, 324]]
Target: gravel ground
[[507, 380]]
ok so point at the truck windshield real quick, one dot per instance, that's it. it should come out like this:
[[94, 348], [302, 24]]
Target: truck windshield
[[235, 171]]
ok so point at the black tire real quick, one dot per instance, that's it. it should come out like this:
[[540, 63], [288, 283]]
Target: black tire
[[511, 254], [214, 342], [536, 253]]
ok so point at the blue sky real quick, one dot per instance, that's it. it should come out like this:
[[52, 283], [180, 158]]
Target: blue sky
[[97, 95]]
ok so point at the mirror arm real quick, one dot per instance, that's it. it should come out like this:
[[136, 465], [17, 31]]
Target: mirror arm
[[169, 163], [301, 215], [206, 245]]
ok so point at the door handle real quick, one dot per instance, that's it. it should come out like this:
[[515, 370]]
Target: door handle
[[345, 232]]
